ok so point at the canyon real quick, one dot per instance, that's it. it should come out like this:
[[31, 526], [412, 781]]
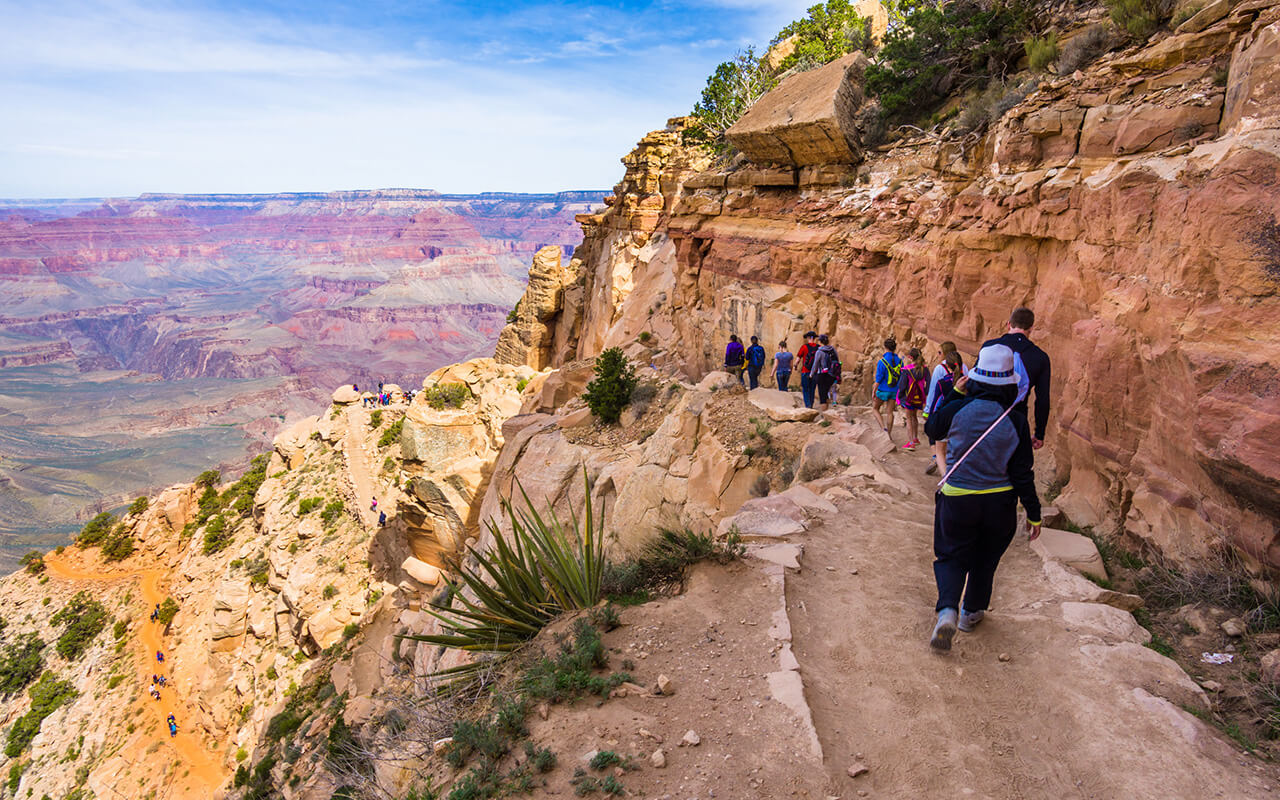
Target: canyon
[[143, 338], [1131, 204]]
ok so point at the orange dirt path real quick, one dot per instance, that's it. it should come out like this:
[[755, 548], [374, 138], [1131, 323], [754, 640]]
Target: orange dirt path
[[204, 771]]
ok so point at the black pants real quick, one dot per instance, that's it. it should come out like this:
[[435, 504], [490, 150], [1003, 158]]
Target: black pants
[[753, 373], [970, 534], [825, 381]]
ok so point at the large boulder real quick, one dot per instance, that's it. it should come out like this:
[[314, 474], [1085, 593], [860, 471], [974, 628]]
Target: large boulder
[[781, 406], [1071, 549], [345, 395], [1253, 90], [809, 119]]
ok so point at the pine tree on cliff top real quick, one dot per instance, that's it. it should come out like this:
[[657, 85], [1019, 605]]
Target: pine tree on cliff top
[[610, 390]]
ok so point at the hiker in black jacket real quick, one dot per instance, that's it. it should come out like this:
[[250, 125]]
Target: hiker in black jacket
[[1036, 362], [989, 469]]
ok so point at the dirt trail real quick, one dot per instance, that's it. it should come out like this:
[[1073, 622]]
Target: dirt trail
[[1036, 703], [360, 470], [201, 771]]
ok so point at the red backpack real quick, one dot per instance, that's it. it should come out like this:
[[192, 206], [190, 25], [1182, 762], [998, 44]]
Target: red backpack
[[914, 392]]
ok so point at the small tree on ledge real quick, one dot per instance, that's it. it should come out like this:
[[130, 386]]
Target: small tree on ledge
[[610, 390]]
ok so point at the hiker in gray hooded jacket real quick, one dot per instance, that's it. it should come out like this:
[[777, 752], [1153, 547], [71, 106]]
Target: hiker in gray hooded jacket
[[989, 469]]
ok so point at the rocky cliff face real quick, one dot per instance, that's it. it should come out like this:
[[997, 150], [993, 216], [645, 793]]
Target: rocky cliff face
[[1132, 206]]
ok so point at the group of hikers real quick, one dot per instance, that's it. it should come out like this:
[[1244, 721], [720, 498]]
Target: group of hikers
[[979, 436], [382, 397], [159, 682]]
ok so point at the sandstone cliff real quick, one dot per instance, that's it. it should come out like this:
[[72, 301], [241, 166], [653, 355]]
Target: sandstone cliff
[[1131, 206]]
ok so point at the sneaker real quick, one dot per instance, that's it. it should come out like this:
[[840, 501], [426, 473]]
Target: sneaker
[[909, 446], [969, 620], [932, 469], [944, 630]]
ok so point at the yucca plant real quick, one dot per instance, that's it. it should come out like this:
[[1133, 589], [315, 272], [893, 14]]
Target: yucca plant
[[540, 570]]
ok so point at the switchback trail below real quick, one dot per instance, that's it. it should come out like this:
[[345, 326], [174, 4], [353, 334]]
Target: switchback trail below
[[201, 771]]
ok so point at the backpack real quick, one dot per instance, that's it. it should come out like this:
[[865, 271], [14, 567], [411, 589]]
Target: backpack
[[755, 355], [914, 392], [945, 384], [894, 372], [836, 367]]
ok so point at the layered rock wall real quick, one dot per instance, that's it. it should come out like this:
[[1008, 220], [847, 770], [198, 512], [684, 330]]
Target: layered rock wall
[[1132, 212]]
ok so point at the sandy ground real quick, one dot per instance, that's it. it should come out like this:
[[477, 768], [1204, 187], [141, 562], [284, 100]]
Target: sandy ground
[[200, 771]]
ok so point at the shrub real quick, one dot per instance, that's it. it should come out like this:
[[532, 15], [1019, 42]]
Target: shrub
[[139, 505], [330, 591], [827, 32], [119, 546], [33, 562], [943, 49], [1081, 49], [520, 384], [120, 628], [168, 610], [987, 107], [209, 478], [96, 529], [375, 419], [447, 395], [218, 536], [1139, 18], [85, 619], [350, 630], [46, 695], [392, 434], [332, 512], [664, 562], [730, 92], [21, 663], [611, 388], [514, 313], [309, 504], [528, 577], [210, 503], [1041, 51]]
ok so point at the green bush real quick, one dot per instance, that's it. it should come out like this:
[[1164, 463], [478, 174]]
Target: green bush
[[663, 563], [209, 478], [610, 390], [218, 536], [309, 504], [15, 776], [447, 395], [118, 546], [1041, 51], [168, 610], [944, 49], [46, 695], [139, 505], [514, 313], [85, 618], [96, 529], [332, 512], [731, 90], [1139, 18], [392, 434], [827, 32], [210, 503], [1081, 49], [21, 663], [330, 592], [120, 629], [541, 569], [33, 562], [375, 419]]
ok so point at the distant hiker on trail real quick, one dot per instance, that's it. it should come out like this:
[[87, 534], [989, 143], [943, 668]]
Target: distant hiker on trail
[[913, 385], [782, 361], [755, 361], [159, 656], [155, 693], [805, 356], [888, 369], [826, 370], [943, 381], [1034, 371], [382, 518], [374, 505], [989, 469], [734, 357], [173, 726]]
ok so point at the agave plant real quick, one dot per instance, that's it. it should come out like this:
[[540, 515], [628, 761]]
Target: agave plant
[[526, 579]]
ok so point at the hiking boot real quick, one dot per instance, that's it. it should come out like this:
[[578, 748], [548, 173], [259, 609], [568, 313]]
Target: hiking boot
[[969, 620], [944, 630], [932, 469]]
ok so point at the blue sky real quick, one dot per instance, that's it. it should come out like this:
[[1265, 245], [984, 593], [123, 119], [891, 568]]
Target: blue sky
[[118, 97]]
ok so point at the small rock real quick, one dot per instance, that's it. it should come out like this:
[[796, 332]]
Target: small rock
[[1233, 627], [858, 770], [1212, 686], [441, 746], [658, 759], [853, 572], [664, 686], [650, 735], [862, 793], [619, 772], [1004, 657], [691, 739], [543, 710], [635, 688], [831, 569], [1270, 668]]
